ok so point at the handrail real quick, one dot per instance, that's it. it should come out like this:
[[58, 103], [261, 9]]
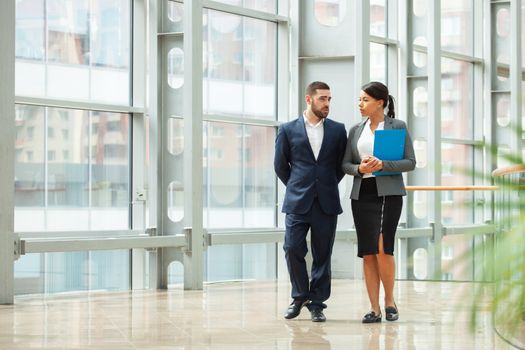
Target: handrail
[[451, 188], [513, 169]]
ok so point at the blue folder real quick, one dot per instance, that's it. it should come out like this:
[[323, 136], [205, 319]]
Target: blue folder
[[389, 145]]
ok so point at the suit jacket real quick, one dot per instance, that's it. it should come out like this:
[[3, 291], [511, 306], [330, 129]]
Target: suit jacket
[[305, 177], [389, 185]]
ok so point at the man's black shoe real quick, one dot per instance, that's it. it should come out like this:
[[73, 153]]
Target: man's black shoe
[[295, 309], [317, 315]]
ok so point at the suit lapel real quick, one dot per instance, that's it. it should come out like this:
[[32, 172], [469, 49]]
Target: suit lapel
[[326, 131], [302, 130], [357, 135]]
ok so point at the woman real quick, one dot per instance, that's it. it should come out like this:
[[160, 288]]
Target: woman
[[376, 200]]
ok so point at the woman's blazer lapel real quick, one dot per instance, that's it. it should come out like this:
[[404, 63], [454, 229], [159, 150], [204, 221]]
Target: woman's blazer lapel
[[356, 136], [389, 123]]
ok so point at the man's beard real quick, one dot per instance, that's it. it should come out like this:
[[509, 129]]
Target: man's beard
[[319, 113]]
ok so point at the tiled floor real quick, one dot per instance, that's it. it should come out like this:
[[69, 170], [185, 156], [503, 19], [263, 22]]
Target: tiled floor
[[245, 315]]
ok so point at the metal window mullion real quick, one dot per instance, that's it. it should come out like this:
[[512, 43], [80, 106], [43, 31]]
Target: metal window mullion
[[46, 167], [381, 40], [79, 105], [294, 63], [7, 149], [515, 75], [488, 98], [208, 172], [90, 168], [46, 44], [137, 146], [243, 52], [392, 76], [477, 110], [45, 277], [243, 175], [434, 108], [392, 11], [362, 57], [469, 142], [242, 11], [90, 41], [193, 114], [238, 120], [403, 95], [286, 84]]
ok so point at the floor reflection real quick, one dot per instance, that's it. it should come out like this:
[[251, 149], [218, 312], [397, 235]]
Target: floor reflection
[[245, 315]]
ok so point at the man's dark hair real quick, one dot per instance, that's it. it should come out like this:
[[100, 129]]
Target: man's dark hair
[[312, 88]]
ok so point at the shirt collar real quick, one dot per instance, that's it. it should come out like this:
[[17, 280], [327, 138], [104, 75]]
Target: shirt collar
[[310, 124]]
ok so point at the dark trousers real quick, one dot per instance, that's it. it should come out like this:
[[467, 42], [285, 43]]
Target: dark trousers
[[322, 235]]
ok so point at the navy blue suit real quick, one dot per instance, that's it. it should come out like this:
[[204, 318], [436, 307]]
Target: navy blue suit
[[311, 202]]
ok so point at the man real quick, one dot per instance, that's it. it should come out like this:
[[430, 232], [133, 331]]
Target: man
[[308, 156]]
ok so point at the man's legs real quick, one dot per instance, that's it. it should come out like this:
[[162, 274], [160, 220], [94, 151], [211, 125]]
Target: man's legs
[[323, 228], [295, 251]]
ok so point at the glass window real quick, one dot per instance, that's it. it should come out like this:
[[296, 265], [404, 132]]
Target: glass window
[[502, 27], [109, 166], [378, 62], [420, 204], [419, 7], [378, 22], [29, 169], [503, 111], [82, 182], [239, 180], [420, 259], [239, 66], [259, 184], [454, 262], [457, 28], [223, 177], [420, 150], [29, 44], [235, 262], [457, 99], [84, 42], [503, 22], [72, 271], [420, 102], [175, 11], [175, 68], [330, 12], [419, 54], [175, 143], [457, 205]]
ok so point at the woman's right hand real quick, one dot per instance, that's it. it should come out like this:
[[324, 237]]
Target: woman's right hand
[[369, 165]]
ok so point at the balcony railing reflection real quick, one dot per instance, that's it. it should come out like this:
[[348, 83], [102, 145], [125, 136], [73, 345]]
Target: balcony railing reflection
[[508, 300]]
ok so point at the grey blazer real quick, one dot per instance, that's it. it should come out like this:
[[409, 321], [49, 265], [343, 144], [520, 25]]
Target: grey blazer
[[390, 185]]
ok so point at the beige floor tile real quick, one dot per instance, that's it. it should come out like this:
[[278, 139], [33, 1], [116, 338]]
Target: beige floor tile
[[246, 315]]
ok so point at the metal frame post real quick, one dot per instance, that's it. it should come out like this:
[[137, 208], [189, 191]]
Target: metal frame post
[[7, 143]]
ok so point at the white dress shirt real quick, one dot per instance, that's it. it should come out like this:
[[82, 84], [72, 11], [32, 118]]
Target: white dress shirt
[[315, 134], [365, 144]]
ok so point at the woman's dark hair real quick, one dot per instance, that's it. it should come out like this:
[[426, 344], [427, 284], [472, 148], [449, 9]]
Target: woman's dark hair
[[380, 92]]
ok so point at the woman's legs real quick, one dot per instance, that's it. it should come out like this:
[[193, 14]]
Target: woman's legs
[[386, 267], [372, 279]]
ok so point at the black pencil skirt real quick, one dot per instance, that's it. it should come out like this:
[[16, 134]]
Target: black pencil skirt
[[374, 215]]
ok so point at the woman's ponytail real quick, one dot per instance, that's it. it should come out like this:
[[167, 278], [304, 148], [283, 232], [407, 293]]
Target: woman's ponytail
[[391, 111]]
